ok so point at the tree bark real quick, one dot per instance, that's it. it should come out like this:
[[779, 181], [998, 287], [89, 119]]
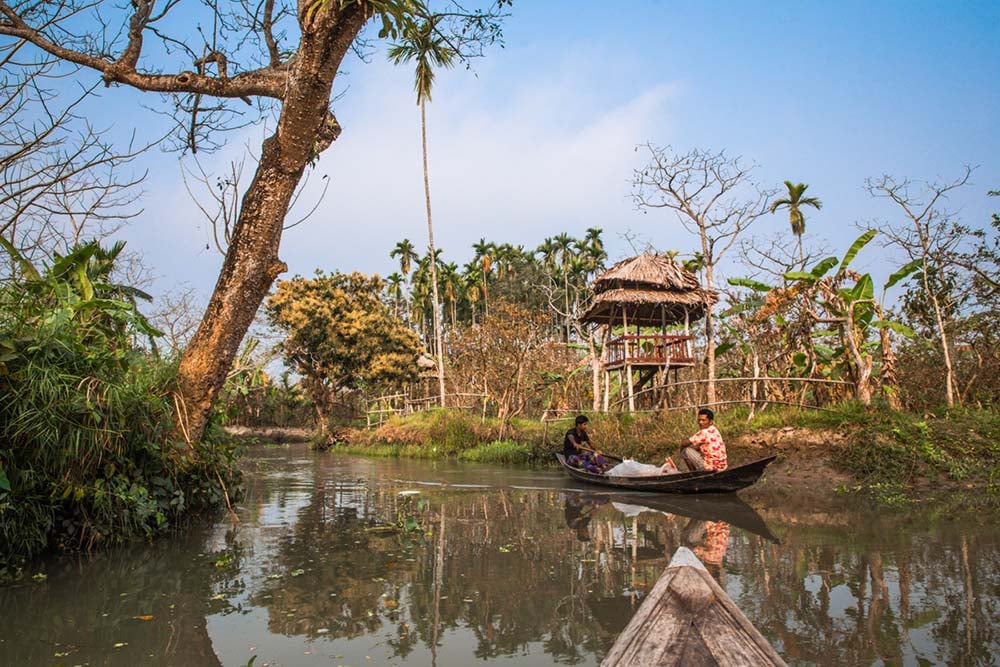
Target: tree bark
[[438, 334], [862, 361], [709, 323], [949, 377], [305, 128]]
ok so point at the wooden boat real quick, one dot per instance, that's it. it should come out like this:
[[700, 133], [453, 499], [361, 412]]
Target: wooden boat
[[687, 619], [700, 481]]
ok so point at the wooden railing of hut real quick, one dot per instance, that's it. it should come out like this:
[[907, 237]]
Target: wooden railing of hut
[[649, 350]]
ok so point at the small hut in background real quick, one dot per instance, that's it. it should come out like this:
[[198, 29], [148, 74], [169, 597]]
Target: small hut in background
[[638, 300]]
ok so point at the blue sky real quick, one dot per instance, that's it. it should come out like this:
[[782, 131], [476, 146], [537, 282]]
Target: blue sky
[[539, 137]]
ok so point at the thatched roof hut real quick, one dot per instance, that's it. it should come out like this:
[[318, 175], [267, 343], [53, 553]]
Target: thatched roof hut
[[652, 289]]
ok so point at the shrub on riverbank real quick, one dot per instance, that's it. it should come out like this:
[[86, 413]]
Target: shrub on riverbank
[[959, 446], [86, 417]]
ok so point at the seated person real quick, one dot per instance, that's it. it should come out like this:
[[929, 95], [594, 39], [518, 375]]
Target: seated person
[[706, 450], [579, 456]]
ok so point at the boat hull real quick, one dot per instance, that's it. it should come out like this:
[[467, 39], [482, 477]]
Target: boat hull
[[701, 481]]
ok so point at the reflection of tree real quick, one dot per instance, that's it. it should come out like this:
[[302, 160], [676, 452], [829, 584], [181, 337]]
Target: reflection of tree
[[508, 567], [502, 566], [341, 558], [829, 594]]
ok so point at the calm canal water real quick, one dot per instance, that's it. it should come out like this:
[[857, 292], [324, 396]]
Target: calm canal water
[[351, 561]]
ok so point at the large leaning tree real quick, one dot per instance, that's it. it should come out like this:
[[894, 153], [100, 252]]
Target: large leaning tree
[[212, 64]]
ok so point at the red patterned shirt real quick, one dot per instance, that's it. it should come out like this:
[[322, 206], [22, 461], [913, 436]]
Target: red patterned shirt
[[713, 450]]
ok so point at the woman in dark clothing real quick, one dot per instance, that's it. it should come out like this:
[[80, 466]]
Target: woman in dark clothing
[[579, 450]]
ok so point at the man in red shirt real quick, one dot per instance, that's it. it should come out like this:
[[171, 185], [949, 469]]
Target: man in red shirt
[[707, 451]]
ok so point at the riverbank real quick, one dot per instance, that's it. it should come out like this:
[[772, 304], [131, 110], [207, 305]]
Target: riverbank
[[896, 457]]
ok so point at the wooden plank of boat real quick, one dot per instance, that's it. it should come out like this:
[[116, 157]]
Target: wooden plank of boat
[[699, 481], [687, 619]]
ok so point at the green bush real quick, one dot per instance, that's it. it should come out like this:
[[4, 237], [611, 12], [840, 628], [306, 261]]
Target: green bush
[[499, 451], [86, 416]]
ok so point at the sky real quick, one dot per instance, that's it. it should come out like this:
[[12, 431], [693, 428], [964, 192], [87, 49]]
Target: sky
[[540, 136]]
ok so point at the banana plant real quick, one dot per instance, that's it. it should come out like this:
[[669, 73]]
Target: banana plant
[[843, 300], [848, 299], [74, 292]]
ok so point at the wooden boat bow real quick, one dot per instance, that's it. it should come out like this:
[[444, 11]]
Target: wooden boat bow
[[688, 619]]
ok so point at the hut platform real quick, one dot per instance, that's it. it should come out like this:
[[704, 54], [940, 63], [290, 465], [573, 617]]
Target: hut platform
[[687, 619]]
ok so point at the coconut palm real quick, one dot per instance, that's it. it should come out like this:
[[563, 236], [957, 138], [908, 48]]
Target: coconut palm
[[794, 203], [424, 45]]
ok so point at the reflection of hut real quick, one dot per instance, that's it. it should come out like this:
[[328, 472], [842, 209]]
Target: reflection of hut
[[654, 293]]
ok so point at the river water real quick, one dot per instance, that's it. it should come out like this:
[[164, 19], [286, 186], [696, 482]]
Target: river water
[[352, 561]]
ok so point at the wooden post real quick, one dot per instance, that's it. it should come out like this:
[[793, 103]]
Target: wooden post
[[628, 365], [607, 388]]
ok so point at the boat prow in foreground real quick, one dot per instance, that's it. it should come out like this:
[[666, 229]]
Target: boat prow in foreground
[[687, 619], [699, 481]]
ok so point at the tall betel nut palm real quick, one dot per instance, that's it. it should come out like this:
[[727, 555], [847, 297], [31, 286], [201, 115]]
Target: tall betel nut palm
[[422, 43], [284, 56], [794, 203]]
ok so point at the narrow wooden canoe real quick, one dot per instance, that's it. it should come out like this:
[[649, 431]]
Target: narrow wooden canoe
[[687, 619], [701, 481]]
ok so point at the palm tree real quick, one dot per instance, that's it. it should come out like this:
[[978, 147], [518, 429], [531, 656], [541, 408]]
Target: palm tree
[[593, 237], [564, 247], [484, 254], [474, 280], [407, 254], [794, 203], [452, 283], [424, 45], [394, 283]]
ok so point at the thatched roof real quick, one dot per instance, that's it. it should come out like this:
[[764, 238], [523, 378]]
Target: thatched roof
[[651, 289], [647, 271]]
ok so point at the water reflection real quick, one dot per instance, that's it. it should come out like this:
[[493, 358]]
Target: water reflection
[[351, 561]]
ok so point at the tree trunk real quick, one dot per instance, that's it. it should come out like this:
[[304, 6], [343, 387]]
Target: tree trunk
[[438, 335], [949, 377], [863, 362], [250, 267], [305, 128], [595, 372], [887, 374], [709, 331], [321, 401]]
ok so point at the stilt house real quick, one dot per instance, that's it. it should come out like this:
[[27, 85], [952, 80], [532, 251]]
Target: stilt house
[[638, 300]]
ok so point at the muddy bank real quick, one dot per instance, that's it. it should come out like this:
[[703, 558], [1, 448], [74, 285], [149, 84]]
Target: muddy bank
[[806, 463]]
